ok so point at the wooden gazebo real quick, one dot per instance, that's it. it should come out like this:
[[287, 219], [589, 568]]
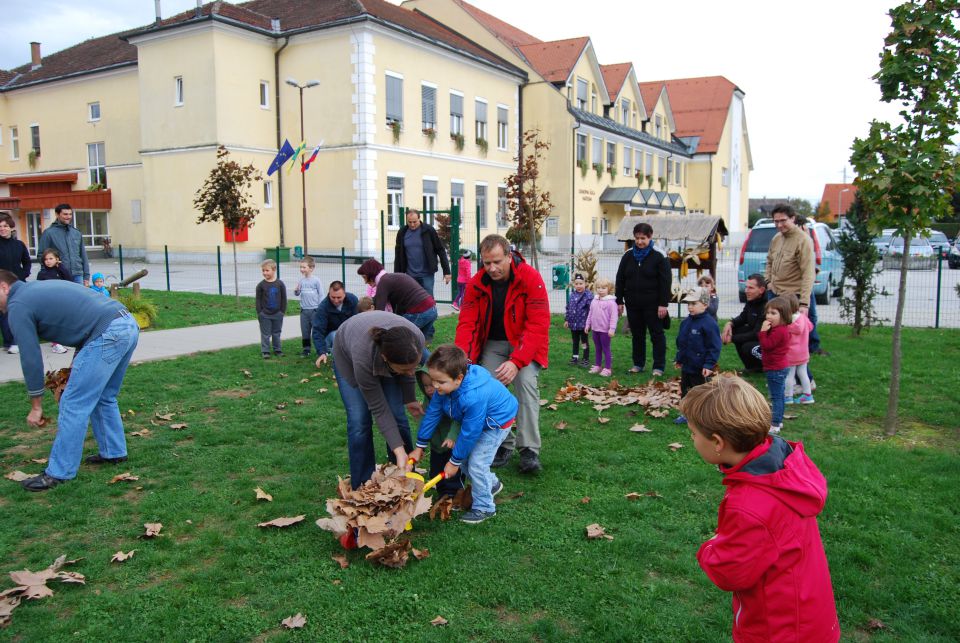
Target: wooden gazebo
[[698, 234]]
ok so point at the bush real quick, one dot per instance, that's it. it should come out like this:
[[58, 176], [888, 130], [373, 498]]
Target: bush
[[140, 307]]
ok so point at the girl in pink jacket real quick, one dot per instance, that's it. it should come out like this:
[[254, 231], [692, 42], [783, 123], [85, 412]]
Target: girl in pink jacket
[[798, 355], [602, 319]]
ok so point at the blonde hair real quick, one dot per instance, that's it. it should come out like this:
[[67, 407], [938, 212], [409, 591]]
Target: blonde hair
[[708, 280], [269, 263], [730, 407], [307, 259], [365, 304], [603, 282]]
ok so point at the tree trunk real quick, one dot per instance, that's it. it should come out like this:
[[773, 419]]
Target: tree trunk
[[236, 274], [893, 400]]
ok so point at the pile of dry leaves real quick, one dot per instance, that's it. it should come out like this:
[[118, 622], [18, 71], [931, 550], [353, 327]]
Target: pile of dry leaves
[[33, 585], [56, 381], [656, 396], [379, 510]]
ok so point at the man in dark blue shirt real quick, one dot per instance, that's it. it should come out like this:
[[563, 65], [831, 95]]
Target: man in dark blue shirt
[[418, 250]]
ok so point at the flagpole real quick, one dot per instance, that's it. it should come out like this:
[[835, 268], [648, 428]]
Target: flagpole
[[303, 178]]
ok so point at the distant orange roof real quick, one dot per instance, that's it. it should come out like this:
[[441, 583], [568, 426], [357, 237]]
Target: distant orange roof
[[840, 196], [700, 107], [554, 60], [650, 93], [614, 75], [504, 32]]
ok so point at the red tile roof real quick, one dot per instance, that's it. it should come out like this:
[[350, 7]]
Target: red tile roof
[[554, 60], [832, 195], [505, 33], [650, 93], [700, 107], [95, 54], [614, 75]]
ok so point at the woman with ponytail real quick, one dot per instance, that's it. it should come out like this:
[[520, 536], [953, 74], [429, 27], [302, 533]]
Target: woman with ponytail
[[375, 356]]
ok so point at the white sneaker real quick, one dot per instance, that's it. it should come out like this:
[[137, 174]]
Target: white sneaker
[[775, 430], [13, 350], [57, 348]]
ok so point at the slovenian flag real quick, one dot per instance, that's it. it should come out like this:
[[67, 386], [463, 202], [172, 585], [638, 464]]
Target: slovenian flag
[[313, 157], [286, 151], [296, 153]]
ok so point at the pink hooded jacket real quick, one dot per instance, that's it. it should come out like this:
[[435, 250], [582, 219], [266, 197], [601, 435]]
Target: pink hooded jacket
[[799, 351]]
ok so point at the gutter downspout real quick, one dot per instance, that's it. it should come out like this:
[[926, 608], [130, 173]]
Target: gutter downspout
[[276, 102], [573, 202]]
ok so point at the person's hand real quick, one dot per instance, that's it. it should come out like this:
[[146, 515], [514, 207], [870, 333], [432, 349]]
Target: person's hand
[[619, 310], [450, 470], [86, 283], [805, 310], [677, 365], [446, 279], [415, 409], [612, 333], [566, 325], [400, 455], [506, 372], [586, 329], [414, 455], [707, 372], [662, 311], [447, 444], [765, 326], [35, 417], [321, 359], [727, 335]]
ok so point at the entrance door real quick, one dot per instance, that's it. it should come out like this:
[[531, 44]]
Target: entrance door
[[34, 229]]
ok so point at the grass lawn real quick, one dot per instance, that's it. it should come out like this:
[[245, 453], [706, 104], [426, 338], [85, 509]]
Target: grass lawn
[[180, 309], [891, 527]]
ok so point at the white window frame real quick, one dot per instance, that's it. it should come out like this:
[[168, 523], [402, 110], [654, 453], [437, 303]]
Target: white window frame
[[429, 199], [481, 201], [92, 240], [627, 161], [268, 194], [503, 212], [480, 127], [386, 96], [456, 120], [725, 177], [638, 161], [424, 124], [604, 223], [264, 94], [611, 156], [597, 157], [649, 164], [662, 168], [625, 111], [503, 128], [394, 201], [581, 103], [178, 91], [98, 171], [14, 143], [35, 145], [90, 107], [582, 144], [551, 227]]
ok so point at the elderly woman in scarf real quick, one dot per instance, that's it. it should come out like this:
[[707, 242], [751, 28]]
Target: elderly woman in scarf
[[643, 288]]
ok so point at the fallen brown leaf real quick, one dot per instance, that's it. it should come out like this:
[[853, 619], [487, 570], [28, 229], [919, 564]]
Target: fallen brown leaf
[[790, 416], [442, 509], [603, 420], [595, 531], [341, 560], [639, 428], [553, 407], [18, 476], [294, 622], [585, 499], [281, 406], [119, 557], [284, 375], [282, 522], [142, 433], [123, 477], [179, 426], [38, 460], [393, 554], [322, 390], [263, 495], [875, 623], [298, 402], [316, 375], [560, 426], [439, 621], [247, 374], [633, 495], [674, 446], [152, 529], [166, 417], [544, 402], [305, 381], [420, 554]]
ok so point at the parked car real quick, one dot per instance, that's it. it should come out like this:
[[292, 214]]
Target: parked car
[[953, 256], [940, 243], [922, 254], [883, 240], [753, 258]]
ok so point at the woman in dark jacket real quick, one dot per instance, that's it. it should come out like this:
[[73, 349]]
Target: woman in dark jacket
[[14, 257], [643, 288]]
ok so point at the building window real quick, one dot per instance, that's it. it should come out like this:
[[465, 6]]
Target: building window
[[649, 164], [96, 164], [394, 98], [625, 112], [627, 161], [597, 151], [14, 144], [456, 114], [429, 199], [552, 227], [593, 100], [92, 226], [268, 194], [93, 112], [669, 170], [265, 94], [428, 107], [725, 177], [603, 225], [581, 148], [35, 139], [480, 106], [177, 91], [581, 94], [456, 197], [678, 173], [659, 127], [502, 128], [611, 154], [661, 167], [502, 214], [394, 201], [482, 205], [639, 161]]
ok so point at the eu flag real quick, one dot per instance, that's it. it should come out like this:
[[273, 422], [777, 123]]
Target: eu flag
[[286, 151]]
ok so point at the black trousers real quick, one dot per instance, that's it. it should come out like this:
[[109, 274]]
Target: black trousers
[[689, 380], [750, 362], [580, 337], [642, 320]]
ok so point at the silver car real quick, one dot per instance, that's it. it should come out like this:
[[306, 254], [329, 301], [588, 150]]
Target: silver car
[[922, 254]]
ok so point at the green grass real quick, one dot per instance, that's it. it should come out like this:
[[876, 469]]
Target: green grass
[[890, 527], [181, 309]]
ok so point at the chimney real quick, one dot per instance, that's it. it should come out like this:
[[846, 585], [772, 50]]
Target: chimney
[[156, 7], [35, 59]]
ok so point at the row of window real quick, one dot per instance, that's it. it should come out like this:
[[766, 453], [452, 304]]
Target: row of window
[[429, 201], [15, 140], [428, 111], [634, 160]]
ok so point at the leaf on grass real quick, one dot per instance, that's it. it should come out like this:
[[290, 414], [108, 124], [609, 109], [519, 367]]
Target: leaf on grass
[[298, 402], [263, 495], [166, 417], [639, 428], [316, 375], [294, 622], [603, 420], [281, 406], [674, 446], [282, 522], [123, 477], [553, 407], [544, 402], [393, 554], [420, 554], [119, 557], [560, 426], [17, 476], [247, 374], [341, 560], [790, 416], [322, 390], [439, 621], [305, 381], [131, 412], [179, 426], [38, 460], [875, 623], [595, 531], [636, 496], [283, 375], [142, 433], [585, 500], [442, 508], [152, 529], [7, 605], [600, 407]]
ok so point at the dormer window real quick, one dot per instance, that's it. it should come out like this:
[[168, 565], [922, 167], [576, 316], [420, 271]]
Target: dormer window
[[659, 126], [581, 94]]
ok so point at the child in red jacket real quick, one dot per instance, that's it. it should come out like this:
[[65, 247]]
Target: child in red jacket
[[774, 338], [767, 548]]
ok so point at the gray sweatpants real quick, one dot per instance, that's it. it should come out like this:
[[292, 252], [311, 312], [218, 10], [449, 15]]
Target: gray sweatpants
[[270, 326], [526, 386], [306, 327]]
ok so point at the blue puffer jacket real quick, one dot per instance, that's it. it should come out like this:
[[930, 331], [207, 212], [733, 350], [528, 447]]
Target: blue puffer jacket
[[698, 343], [480, 403]]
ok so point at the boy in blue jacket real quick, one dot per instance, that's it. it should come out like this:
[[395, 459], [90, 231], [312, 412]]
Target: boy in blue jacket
[[485, 409], [698, 344]]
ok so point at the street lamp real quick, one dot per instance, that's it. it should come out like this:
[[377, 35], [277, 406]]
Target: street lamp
[[840, 202], [303, 179]]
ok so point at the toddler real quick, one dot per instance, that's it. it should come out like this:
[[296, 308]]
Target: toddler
[[365, 304], [774, 338], [98, 284], [485, 409], [578, 307], [53, 269], [698, 344], [602, 320], [464, 272], [767, 548], [441, 444], [798, 355], [271, 307], [707, 282], [310, 291]]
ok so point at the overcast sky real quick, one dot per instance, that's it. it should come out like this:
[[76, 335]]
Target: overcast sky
[[805, 66]]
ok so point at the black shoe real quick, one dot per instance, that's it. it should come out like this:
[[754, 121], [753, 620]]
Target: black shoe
[[96, 458], [266, 356], [503, 457], [574, 360], [278, 353], [584, 362], [41, 482], [529, 461], [305, 354]]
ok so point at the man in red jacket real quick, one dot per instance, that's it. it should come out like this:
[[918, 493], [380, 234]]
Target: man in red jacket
[[504, 326]]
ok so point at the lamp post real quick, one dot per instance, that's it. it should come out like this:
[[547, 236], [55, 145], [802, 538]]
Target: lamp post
[[303, 179], [840, 202]]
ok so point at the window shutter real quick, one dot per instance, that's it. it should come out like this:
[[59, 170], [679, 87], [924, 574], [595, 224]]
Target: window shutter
[[429, 186], [481, 112], [394, 182], [394, 99], [428, 99], [456, 105]]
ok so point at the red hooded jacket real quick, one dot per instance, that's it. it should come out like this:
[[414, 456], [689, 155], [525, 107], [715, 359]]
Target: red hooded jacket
[[526, 320], [767, 549]]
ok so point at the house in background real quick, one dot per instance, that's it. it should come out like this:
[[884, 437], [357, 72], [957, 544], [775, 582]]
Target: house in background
[[838, 198]]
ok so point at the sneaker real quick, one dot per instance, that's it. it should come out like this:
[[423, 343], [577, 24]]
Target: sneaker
[[789, 400], [503, 457], [574, 360], [529, 461], [266, 356], [455, 307], [475, 516], [635, 369], [497, 489], [305, 353], [775, 429], [606, 372], [805, 399], [13, 350], [96, 458], [57, 348], [813, 385], [657, 372], [278, 353], [584, 362], [41, 482], [594, 370], [680, 420]]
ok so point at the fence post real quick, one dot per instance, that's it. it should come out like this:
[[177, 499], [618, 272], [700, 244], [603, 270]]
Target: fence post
[[936, 320], [219, 272], [383, 240], [455, 215], [343, 265], [120, 256], [166, 265]]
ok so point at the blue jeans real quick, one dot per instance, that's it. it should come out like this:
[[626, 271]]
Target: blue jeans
[[426, 281], [78, 279], [477, 467], [91, 395], [360, 449], [776, 382], [423, 321]]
